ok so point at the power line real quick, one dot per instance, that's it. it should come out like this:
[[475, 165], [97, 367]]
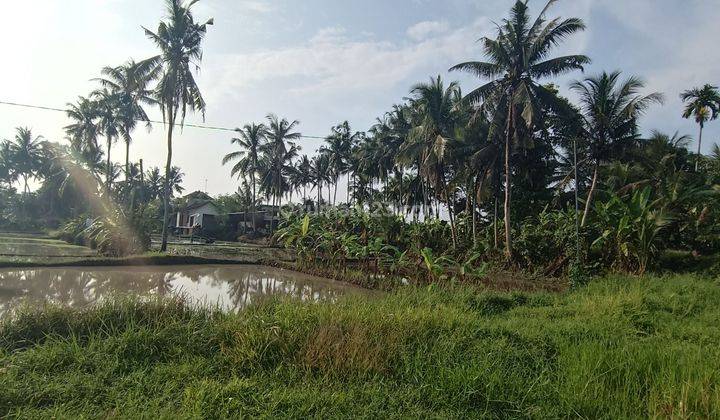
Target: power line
[[204, 127]]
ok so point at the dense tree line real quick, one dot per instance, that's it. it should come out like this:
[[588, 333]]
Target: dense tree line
[[507, 156], [513, 151]]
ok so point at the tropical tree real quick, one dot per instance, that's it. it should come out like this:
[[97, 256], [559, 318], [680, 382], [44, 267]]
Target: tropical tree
[[179, 40], [703, 104], [431, 140], [302, 176], [321, 175], [251, 139], [155, 183], [25, 152], [174, 182], [129, 84], [83, 131], [7, 172], [609, 109], [518, 58], [280, 149], [339, 146], [109, 123]]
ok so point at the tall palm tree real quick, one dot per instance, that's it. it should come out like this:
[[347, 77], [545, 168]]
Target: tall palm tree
[[155, 183], [434, 135], [303, 175], [518, 58], [251, 140], [26, 154], [280, 138], [110, 124], [609, 109], [8, 174], [704, 105], [339, 145], [174, 182], [129, 83], [321, 175], [179, 40], [84, 129]]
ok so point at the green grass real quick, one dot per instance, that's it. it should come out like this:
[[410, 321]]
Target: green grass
[[620, 348]]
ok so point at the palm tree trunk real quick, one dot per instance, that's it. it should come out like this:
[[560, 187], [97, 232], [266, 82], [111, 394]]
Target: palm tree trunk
[[108, 165], [254, 200], [166, 189], [450, 212], [127, 160], [508, 185], [591, 193], [348, 188], [319, 197], [26, 189], [335, 194], [697, 159], [476, 189], [495, 225]]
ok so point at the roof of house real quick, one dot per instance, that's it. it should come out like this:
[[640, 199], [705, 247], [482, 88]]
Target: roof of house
[[197, 204], [197, 195], [195, 200]]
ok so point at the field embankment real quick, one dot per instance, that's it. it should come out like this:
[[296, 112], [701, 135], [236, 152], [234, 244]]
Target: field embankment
[[28, 251]]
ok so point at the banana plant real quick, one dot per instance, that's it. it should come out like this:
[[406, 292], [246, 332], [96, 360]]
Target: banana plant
[[436, 270], [630, 230]]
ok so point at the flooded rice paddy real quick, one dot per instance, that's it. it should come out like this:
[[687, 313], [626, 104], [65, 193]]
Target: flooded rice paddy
[[230, 287]]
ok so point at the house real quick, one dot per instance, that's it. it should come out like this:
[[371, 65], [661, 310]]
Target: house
[[263, 218], [195, 212]]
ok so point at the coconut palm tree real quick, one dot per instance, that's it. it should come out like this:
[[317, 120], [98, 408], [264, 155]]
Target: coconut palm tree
[[321, 175], [129, 83], [609, 110], [302, 176], [179, 40], [175, 181], [155, 183], [704, 105], [280, 148], [110, 124], [26, 155], [434, 135], [251, 140], [517, 58], [8, 174], [339, 145], [84, 129]]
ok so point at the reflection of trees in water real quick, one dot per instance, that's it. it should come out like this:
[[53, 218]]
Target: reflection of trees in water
[[254, 286], [35, 287], [74, 287], [239, 286]]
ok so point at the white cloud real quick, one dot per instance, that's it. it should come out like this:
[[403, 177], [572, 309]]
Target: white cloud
[[258, 6], [332, 61], [422, 30]]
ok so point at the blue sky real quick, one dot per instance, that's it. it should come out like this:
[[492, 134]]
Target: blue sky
[[324, 61]]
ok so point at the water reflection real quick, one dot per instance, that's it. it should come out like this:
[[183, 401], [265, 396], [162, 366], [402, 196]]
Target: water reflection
[[230, 287]]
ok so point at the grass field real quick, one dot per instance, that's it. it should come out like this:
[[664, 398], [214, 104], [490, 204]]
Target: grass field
[[620, 348]]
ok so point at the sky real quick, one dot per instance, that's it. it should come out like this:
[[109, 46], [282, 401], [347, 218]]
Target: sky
[[326, 61]]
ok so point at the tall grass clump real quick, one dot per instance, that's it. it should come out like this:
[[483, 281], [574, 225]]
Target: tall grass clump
[[619, 348]]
